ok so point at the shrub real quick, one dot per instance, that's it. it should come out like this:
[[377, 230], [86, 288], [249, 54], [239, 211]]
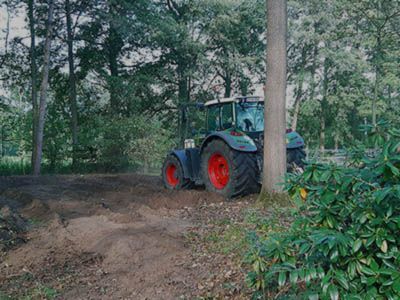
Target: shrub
[[344, 242]]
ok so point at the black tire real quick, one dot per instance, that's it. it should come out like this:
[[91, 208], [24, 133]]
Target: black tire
[[295, 159], [181, 182], [243, 171]]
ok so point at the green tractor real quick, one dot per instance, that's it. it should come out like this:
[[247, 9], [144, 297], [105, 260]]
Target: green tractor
[[227, 157]]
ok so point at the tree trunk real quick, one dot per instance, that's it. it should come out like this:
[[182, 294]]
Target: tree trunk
[[228, 84], [322, 135], [299, 91], [31, 5], [183, 98], [43, 90], [297, 103], [114, 44], [324, 104], [376, 96], [275, 97], [72, 84]]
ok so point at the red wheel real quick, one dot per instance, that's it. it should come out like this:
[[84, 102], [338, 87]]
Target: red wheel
[[171, 175], [228, 172], [218, 171]]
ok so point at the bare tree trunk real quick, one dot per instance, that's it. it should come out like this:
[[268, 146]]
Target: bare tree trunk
[[376, 96], [322, 135], [275, 97], [297, 103], [43, 90], [337, 141], [228, 84], [299, 91], [31, 17], [72, 84]]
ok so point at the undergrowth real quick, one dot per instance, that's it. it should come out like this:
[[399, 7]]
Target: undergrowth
[[344, 241]]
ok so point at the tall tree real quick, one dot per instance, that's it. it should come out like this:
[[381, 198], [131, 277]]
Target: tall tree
[[32, 30], [275, 98], [72, 82], [43, 90]]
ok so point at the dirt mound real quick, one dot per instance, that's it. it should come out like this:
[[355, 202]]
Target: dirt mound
[[139, 254], [102, 237], [128, 226], [12, 225]]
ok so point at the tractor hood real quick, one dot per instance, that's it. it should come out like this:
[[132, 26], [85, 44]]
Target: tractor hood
[[293, 140], [241, 141]]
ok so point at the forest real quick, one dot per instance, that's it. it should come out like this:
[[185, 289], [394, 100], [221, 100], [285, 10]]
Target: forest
[[119, 72], [94, 95]]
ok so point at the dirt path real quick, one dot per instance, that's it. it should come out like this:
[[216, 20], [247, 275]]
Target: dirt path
[[106, 237]]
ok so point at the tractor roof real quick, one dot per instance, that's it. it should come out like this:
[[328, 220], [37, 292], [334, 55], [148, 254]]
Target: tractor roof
[[235, 99]]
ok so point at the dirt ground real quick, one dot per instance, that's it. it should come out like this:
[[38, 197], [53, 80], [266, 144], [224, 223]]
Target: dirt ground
[[117, 237]]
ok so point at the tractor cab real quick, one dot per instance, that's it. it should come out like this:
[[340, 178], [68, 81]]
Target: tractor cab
[[244, 114]]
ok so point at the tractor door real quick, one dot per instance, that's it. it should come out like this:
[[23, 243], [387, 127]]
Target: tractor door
[[220, 117], [213, 118]]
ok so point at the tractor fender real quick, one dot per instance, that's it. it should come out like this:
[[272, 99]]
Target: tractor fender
[[294, 140], [183, 159], [234, 139], [190, 162]]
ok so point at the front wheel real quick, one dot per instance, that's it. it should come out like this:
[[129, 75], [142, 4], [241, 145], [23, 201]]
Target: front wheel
[[229, 172], [172, 174]]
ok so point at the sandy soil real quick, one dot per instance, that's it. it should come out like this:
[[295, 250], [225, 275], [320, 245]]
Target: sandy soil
[[107, 237]]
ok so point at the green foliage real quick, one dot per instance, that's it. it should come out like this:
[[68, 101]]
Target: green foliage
[[344, 241]]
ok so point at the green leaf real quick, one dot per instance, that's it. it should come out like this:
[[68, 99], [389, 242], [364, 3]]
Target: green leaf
[[384, 247], [396, 285], [333, 292], [357, 245], [374, 266], [394, 170], [313, 297], [293, 276], [342, 280], [366, 270], [282, 278]]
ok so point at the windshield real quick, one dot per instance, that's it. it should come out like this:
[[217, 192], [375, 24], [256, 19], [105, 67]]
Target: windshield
[[250, 116]]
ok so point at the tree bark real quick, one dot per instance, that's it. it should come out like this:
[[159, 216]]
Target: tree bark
[[376, 96], [113, 53], [299, 91], [297, 103], [43, 90], [114, 46], [31, 17], [183, 98], [72, 84], [275, 98], [324, 104], [228, 84]]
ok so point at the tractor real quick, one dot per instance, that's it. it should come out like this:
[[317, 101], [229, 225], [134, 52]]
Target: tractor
[[227, 157]]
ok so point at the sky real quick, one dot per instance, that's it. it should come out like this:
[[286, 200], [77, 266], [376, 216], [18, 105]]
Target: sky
[[17, 29]]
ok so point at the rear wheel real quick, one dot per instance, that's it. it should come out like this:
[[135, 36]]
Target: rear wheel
[[172, 174], [229, 172], [295, 159]]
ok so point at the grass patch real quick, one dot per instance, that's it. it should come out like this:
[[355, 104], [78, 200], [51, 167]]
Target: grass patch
[[41, 292], [10, 165]]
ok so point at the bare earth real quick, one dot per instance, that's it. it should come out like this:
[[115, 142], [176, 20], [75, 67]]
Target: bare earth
[[116, 237]]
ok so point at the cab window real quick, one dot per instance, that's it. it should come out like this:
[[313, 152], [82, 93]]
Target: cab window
[[213, 118], [227, 116]]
